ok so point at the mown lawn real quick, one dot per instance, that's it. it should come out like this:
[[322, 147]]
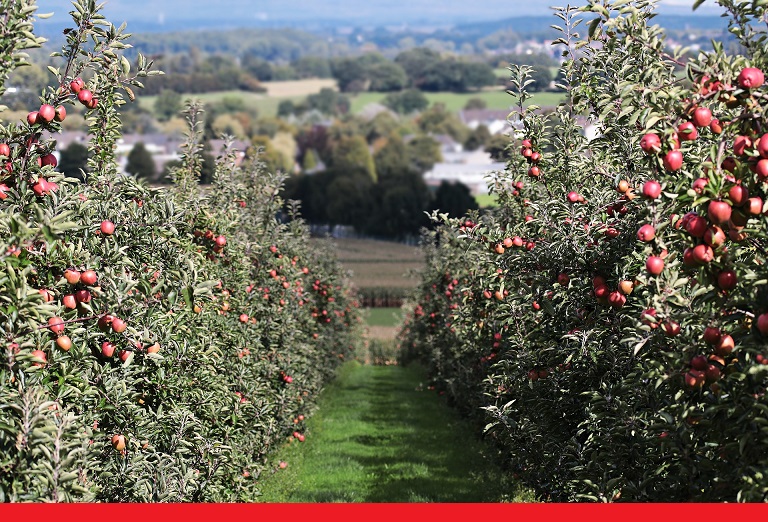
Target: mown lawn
[[380, 435], [494, 99]]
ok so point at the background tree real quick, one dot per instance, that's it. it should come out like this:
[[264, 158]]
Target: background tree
[[140, 163], [407, 101], [74, 160], [454, 199], [167, 105], [352, 152]]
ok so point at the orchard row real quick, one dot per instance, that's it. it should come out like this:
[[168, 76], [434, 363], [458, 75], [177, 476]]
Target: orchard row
[[158, 344], [610, 321]]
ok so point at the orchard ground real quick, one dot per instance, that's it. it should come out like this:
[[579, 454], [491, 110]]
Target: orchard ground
[[382, 435]]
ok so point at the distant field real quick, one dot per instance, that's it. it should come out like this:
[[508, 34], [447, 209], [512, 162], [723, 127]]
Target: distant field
[[379, 264], [486, 200], [494, 99], [266, 103], [387, 317]]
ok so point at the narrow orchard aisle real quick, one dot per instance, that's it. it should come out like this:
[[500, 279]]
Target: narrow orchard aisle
[[380, 436]]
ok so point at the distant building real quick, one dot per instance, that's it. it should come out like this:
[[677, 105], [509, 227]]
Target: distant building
[[496, 121], [469, 168]]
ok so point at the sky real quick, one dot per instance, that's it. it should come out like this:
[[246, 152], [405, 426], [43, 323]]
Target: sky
[[361, 12]]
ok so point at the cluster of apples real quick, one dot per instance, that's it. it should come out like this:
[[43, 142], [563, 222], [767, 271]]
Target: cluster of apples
[[532, 156]]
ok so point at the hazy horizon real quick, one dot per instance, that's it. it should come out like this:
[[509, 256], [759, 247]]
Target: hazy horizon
[[159, 15]]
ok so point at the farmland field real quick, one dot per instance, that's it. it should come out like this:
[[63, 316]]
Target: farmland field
[[379, 263], [495, 99], [266, 103]]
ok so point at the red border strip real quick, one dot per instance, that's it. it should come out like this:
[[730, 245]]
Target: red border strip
[[384, 512]]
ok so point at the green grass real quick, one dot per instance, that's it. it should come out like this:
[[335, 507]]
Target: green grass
[[381, 436], [486, 200], [266, 105], [384, 316]]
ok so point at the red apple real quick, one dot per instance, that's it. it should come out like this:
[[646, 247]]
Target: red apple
[[715, 126], [687, 131], [118, 325], [654, 265], [56, 325], [107, 349], [107, 227], [61, 113], [703, 254], [741, 144], [738, 195], [699, 362], [750, 78], [712, 335], [89, 277], [72, 276], [673, 160], [696, 226], [671, 328], [719, 212], [85, 96], [83, 296], [724, 346], [46, 112], [714, 236], [33, 118], [76, 85], [651, 189], [646, 233], [762, 323], [727, 280], [754, 206], [69, 301], [650, 143], [702, 117]]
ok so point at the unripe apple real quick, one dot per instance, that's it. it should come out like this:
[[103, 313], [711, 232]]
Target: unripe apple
[[673, 160], [650, 143], [702, 117], [646, 233], [46, 113], [64, 342], [750, 78], [654, 265], [719, 212]]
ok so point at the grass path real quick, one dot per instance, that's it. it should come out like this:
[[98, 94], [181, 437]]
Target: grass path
[[381, 436]]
